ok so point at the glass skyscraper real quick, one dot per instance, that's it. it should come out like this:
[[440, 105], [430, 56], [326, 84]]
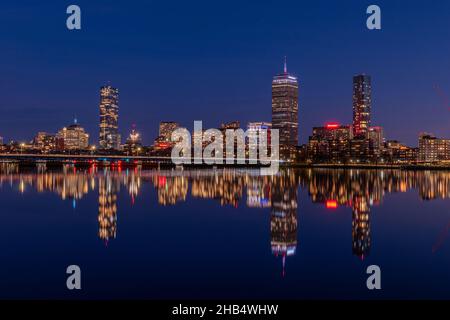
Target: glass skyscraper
[[285, 112], [362, 103], [109, 118]]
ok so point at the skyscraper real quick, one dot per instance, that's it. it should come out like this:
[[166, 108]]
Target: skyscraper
[[362, 103], [285, 112], [166, 128], [109, 118]]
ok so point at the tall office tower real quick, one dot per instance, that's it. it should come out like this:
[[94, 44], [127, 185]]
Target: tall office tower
[[285, 112], [362, 103], [109, 118], [166, 128]]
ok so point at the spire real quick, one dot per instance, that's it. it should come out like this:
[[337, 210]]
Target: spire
[[75, 120], [285, 64]]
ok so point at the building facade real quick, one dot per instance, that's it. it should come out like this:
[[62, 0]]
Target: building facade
[[330, 143], [166, 128], [44, 142], [432, 149], [72, 137], [285, 112], [109, 137], [254, 137], [362, 105]]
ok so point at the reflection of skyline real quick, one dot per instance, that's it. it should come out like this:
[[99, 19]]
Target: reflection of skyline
[[360, 227], [107, 207], [357, 189], [283, 218]]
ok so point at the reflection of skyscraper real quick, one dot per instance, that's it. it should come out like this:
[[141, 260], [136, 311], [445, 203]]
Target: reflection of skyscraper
[[360, 226], [107, 207], [258, 192], [285, 112], [171, 189], [109, 118], [362, 103], [283, 221]]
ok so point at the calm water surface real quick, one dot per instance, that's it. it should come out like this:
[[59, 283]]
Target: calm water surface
[[224, 233]]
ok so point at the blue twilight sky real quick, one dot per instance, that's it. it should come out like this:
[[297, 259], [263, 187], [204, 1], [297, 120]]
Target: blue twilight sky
[[214, 61]]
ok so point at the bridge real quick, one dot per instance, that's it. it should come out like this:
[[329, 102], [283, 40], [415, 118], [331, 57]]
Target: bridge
[[81, 157], [30, 159]]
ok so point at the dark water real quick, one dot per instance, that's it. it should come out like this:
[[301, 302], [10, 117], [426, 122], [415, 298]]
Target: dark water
[[224, 233]]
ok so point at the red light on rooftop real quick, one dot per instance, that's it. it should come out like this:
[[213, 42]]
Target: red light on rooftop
[[331, 204], [332, 125]]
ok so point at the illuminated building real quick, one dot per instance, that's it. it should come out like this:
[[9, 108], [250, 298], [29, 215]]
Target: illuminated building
[[197, 139], [362, 103], [163, 143], [253, 132], [109, 118], [285, 112], [72, 137], [166, 128], [432, 149], [1, 140], [375, 136], [134, 137], [134, 142], [233, 125], [395, 151], [359, 149], [44, 142], [332, 131], [330, 143]]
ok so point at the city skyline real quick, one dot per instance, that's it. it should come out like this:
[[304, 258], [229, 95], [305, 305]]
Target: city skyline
[[225, 158], [230, 65], [285, 115]]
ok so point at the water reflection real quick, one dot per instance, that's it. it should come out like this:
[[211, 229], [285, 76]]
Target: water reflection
[[107, 206], [278, 195], [283, 219]]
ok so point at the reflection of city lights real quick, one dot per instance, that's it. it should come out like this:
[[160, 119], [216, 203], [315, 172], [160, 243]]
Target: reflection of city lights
[[161, 181], [356, 188], [331, 204]]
